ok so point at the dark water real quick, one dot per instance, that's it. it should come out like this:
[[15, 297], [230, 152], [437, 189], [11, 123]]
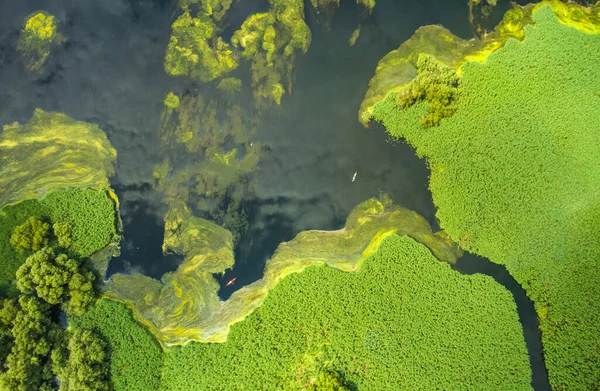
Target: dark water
[[110, 72], [472, 264]]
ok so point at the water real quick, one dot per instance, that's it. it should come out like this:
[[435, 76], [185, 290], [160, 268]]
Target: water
[[472, 264], [110, 72]]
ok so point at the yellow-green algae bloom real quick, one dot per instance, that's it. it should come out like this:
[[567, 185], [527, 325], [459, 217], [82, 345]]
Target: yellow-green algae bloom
[[270, 41], [196, 51], [52, 151], [514, 171], [37, 38], [184, 305]]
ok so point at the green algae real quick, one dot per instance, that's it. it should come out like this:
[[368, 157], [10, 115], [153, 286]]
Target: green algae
[[184, 305], [37, 39], [215, 181], [195, 50], [270, 41], [49, 152], [216, 9], [513, 174]]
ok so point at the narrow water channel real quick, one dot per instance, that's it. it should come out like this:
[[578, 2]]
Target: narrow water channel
[[472, 264]]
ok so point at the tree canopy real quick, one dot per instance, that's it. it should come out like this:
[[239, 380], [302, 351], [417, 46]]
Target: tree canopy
[[57, 279], [32, 235]]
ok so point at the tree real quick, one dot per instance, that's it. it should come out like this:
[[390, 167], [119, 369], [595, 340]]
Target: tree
[[87, 366], [32, 235], [8, 313], [57, 279], [435, 84], [62, 231], [27, 366]]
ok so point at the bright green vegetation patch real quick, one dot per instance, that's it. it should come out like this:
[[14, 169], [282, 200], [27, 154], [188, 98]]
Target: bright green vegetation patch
[[413, 324], [136, 358], [515, 175], [90, 214]]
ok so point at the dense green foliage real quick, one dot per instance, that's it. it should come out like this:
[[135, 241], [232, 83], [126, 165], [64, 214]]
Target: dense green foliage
[[328, 381], [84, 222], [91, 214], [62, 231], [87, 365], [435, 84], [10, 259], [57, 279], [135, 362], [414, 324], [515, 177], [32, 235], [28, 367]]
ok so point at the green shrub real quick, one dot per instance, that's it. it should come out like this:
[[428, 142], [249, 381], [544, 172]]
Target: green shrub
[[515, 177], [87, 366], [435, 84], [413, 324], [136, 360], [27, 367], [32, 235], [328, 381], [62, 232]]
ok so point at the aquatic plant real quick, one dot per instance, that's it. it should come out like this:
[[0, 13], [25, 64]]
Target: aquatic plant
[[171, 101], [32, 235], [270, 40], [214, 8], [514, 173], [230, 86], [52, 151], [196, 51], [136, 358], [414, 323], [37, 38], [184, 305]]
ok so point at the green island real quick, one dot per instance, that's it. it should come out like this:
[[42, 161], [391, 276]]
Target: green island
[[514, 166]]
